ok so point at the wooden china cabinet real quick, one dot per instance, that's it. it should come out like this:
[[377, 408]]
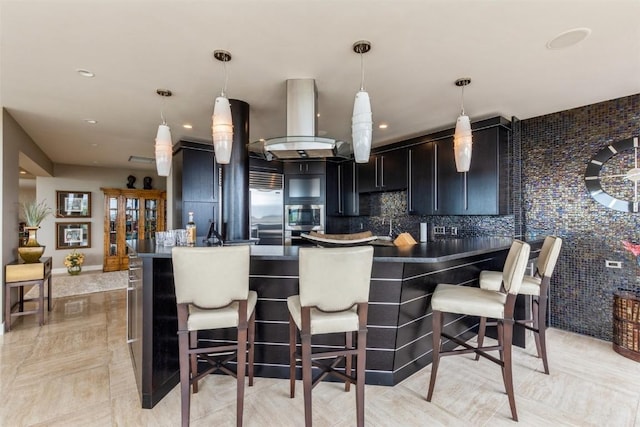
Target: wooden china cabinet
[[129, 214]]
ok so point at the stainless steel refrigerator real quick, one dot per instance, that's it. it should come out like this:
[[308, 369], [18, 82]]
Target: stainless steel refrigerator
[[266, 208]]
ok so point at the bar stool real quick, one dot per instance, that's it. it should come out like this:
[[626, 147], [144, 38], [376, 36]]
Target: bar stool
[[483, 303], [536, 286], [334, 295], [212, 292]]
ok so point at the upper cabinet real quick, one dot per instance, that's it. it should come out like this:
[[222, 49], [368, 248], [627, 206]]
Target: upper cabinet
[[304, 167], [386, 171], [196, 180], [342, 189], [436, 188], [421, 186]]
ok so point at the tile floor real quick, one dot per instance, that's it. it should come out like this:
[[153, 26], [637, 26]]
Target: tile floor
[[76, 371]]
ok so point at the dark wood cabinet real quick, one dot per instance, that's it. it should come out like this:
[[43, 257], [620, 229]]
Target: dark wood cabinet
[[196, 178], [342, 189], [437, 188], [304, 167], [386, 171], [421, 186], [488, 183], [484, 189], [451, 195]]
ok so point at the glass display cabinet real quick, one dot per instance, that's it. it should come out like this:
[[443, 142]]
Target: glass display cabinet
[[130, 214]]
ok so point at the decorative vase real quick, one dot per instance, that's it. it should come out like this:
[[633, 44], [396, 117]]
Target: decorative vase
[[32, 250], [74, 270]]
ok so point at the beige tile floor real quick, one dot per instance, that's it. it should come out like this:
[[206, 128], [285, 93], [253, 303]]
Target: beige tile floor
[[75, 371]]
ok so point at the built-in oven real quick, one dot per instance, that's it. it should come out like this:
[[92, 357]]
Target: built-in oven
[[301, 219]]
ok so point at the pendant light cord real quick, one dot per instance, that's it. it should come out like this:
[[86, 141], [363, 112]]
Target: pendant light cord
[[362, 71], [226, 78], [462, 100]]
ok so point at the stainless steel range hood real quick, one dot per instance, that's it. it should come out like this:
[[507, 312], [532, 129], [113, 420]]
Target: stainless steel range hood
[[301, 141]]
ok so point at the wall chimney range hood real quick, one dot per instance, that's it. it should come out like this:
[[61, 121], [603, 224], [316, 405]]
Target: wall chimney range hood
[[301, 141]]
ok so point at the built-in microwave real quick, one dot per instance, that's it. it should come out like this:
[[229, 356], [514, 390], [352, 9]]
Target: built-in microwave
[[304, 217]]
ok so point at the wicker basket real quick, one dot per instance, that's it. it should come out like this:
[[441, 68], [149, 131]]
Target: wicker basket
[[626, 324]]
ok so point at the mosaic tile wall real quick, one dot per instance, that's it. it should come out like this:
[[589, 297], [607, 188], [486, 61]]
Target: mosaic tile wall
[[555, 150]]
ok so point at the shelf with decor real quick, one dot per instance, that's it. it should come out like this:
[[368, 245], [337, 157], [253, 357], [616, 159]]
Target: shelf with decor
[[130, 214]]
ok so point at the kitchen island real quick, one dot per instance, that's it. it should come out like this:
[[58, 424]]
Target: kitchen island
[[399, 322]]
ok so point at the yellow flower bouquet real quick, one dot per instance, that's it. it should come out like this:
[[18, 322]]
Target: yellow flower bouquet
[[73, 262]]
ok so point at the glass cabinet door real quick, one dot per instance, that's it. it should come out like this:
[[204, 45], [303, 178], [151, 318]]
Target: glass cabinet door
[[113, 225], [132, 212], [150, 218]]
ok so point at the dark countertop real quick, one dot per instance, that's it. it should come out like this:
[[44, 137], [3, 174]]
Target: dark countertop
[[431, 252]]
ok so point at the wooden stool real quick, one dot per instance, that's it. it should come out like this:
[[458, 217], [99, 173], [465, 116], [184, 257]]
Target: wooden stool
[[18, 275]]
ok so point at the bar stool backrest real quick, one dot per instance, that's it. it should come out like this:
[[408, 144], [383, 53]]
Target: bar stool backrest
[[334, 279], [211, 277], [548, 256], [515, 266]]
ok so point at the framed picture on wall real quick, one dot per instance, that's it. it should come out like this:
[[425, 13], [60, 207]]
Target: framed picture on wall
[[71, 235], [73, 204]]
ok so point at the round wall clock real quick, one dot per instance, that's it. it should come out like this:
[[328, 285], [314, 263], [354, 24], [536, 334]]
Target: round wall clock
[[613, 174]]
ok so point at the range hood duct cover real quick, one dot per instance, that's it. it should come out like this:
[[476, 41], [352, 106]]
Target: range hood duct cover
[[301, 141]]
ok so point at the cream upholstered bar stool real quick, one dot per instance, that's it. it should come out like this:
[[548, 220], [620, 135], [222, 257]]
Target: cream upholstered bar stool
[[212, 292], [333, 298], [473, 301], [537, 287]]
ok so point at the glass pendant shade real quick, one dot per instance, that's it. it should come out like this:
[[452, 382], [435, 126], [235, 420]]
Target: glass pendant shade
[[361, 127], [222, 130], [462, 144], [164, 148]]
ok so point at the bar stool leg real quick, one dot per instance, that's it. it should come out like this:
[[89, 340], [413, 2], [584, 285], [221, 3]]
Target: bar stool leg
[[437, 330], [348, 343], [292, 357]]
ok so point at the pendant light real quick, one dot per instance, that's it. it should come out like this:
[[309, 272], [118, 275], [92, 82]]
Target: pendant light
[[222, 128], [462, 137], [361, 121], [164, 146]]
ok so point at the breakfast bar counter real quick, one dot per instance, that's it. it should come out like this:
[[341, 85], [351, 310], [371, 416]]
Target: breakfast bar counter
[[399, 322]]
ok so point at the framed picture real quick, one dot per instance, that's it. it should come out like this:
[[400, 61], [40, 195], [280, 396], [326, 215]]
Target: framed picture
[[71, 235], [73, 204]]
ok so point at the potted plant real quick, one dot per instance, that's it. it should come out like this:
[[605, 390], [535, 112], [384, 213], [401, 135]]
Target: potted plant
[[73, 262], [34, 213]]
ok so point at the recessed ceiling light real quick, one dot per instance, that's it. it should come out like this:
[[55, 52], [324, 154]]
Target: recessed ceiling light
[[85, 73], [383, 126], [187, 126], [94, 145], [568, 38], [91, 121], [23, 172]]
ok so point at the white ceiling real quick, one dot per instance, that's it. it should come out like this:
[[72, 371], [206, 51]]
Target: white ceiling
[[419, 48]]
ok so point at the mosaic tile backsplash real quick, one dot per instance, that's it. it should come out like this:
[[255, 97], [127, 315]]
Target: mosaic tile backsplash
[[554, 151]]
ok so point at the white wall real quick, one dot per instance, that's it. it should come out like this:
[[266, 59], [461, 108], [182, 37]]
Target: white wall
[[84, 179]]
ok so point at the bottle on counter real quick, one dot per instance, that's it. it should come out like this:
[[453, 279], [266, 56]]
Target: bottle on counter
[[191, 231]]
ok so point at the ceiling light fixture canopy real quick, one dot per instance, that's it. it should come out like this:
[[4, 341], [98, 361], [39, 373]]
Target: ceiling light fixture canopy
[[222, 128], [462, 142], [164, 145], [361, 120]]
